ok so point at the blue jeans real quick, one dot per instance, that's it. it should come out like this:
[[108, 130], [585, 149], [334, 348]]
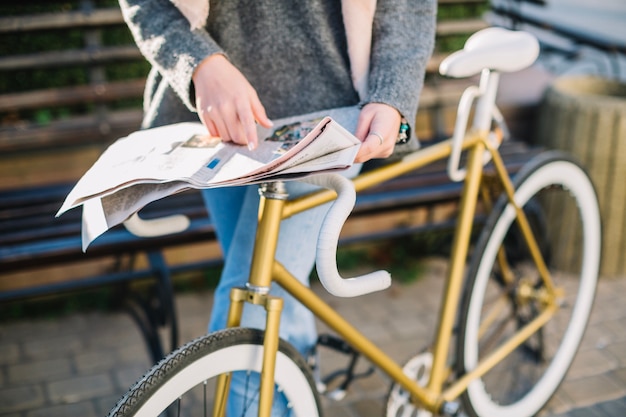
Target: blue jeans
[[235, 211]]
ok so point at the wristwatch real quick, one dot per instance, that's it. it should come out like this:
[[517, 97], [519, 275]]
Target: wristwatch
[[404, 133]]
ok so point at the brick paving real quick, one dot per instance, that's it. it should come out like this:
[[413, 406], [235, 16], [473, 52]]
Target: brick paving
[[80, 364]]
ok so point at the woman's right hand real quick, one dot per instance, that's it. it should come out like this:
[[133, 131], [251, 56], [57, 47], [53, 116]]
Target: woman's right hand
[[226, 103]]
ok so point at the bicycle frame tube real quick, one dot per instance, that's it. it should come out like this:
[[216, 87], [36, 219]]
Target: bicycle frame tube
[[454, 280], [522, 221]]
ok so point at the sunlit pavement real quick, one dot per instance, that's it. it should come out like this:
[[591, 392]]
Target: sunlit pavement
[[79, 365]]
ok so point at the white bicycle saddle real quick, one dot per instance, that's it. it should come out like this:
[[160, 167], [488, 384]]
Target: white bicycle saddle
[[494, 48]]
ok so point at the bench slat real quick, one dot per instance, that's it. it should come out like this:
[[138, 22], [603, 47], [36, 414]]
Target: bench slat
[[64, 21], [94, 93], [76, 57], [76, 131]]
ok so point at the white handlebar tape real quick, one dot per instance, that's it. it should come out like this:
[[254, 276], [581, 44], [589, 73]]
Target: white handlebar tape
[[326, 260], [156, 227]]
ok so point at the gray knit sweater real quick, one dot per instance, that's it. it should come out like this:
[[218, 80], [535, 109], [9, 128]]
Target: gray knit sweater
[[293, 52]]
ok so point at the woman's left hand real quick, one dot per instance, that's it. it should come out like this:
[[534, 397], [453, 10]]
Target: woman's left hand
[[377, 129]]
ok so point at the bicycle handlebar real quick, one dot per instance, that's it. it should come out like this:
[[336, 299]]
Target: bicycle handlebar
[[326, 259], [156, 227]]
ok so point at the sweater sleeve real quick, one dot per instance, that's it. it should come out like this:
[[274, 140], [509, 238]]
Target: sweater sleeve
[[164, 38], [402, 43]]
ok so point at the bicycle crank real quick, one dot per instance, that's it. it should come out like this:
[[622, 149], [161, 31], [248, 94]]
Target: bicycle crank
[[399, 402]]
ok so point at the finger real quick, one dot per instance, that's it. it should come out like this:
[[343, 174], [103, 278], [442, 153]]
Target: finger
[[368, 148], [258, 110], [222, 120], [249, 129], [376, 145], [228, 121], [236, 131], [363, 124], [211, 128], [377, 135], [203, 115]]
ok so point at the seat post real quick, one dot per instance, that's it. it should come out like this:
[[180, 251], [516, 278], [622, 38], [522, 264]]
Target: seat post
[[488, 86]]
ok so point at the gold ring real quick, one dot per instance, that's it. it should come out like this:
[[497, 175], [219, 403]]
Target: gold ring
[[380, 137]]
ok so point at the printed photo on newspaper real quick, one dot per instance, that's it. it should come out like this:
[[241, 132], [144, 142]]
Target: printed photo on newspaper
[[151, 164]]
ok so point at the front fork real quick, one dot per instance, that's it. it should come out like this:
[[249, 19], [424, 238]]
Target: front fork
[[273, 307], [273, 198]]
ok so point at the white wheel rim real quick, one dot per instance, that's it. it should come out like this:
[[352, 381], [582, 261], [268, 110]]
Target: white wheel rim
[[246, 357]]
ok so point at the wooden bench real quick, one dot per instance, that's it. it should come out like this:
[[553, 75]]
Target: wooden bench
[[41, 157], [31, 238]]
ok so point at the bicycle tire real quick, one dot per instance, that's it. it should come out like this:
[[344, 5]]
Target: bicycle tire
[[182, 381], [522, 383]]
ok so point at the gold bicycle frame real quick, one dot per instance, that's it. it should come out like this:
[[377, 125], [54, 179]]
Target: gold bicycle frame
[[265, 269]]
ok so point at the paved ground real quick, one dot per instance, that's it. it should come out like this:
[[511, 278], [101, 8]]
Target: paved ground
[[79, 365]]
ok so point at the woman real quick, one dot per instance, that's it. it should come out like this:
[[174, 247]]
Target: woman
[[234, 64]]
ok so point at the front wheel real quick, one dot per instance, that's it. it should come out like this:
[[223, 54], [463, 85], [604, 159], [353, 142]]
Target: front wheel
[[183, 384], [505, 292]]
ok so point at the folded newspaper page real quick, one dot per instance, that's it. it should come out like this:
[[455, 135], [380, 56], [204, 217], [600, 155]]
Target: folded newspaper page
[[154, 163]]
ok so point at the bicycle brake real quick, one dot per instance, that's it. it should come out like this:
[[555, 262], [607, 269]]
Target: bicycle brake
[[348, 374]]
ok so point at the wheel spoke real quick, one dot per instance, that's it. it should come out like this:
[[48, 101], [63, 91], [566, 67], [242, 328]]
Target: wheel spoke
[[494, 314]]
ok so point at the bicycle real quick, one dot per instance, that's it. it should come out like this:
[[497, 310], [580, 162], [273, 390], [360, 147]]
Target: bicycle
[[526, 297]]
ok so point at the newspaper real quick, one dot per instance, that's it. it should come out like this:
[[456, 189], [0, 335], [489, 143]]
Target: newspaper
[[154, 163]]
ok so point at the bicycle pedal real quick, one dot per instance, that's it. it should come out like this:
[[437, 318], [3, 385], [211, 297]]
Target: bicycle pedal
[[346, 375], [335, 343]]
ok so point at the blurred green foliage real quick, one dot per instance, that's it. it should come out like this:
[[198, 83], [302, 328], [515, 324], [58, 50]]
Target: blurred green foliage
[[401, 256], [452, 11], [59, 40], [24, 43], [30, 43]]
